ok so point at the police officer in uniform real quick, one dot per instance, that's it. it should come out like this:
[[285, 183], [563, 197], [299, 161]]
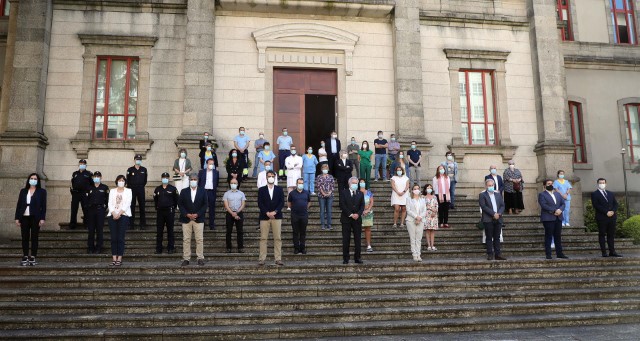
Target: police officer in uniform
[[165, 197], [80, 183], [97, 201], [136, 180]]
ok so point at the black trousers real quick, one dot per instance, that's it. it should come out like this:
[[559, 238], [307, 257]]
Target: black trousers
[[211, 200], [492, 232], [95, 227], [332, 162], [230, 221], [77, 198], [355, 227], [607, 228], [30, 229], [553, 230], [166, 217], [299, 227], [137, 194], [443, 211], [343, 181]]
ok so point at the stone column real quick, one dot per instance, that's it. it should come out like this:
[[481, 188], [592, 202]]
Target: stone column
[[554, 148], [23, 142], [198, 74]]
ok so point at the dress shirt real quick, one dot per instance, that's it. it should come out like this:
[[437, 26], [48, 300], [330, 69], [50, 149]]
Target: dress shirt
[[209, 183], [182, 162], [26, 212], [553, 197], [495, 182], [193, 194], [333, 146], [604, 195], [492, 196], [270, 188]]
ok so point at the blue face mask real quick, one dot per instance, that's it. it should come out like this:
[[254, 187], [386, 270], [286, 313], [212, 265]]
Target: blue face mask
[[82, 167], [267, 168], [138, 162], [234, 154], [96, 180], [494, 171], [491, 189], [325, 171], [300, 186], [561, 176], [354, 187], [363, 185], [285, 133], [165, 181], [242, 132], [33, 182], [234, 186]]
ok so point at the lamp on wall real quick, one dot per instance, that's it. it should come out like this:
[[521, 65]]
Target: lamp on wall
[[624, 173]]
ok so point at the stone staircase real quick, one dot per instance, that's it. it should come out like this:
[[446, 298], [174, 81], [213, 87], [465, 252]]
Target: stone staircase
[[73, 295]]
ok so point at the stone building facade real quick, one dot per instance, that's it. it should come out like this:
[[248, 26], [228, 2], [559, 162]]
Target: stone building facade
[[490, 80]]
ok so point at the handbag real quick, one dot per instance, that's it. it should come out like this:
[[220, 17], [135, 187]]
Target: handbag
[[517, 186], [480, 225]]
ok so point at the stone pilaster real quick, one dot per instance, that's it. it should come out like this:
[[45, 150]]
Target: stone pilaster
[[198, 74], [408, 72], [23, 142], [554, 148]]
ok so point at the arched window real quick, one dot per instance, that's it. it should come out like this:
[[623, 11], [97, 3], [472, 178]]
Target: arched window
[[632, 120], [577, 132]]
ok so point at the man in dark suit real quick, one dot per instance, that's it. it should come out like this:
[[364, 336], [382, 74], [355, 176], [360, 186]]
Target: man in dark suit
[[352, 206], [343, 167], [270, 202], [492, 206], [202, 146], [497, 179], [193, 206], [605, 205], [208, 179], [333, 147], [551, 208]]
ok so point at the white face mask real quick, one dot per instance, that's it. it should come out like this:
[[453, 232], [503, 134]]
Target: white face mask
[[234, 186], [365, 145], [380, 136], [416, 191], [602, 186], [267, 168], [334, 136], [261, 136], [193, 183], [512, 167], [343, 156], [120, 184], [210, 166], [293, 152], [271, 180], [449, 157], [183, 155]]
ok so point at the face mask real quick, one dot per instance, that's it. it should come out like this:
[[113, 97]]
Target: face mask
[[344, 157], [354, 187], [365, 145], [413, 146], [399, 173], [82, 167], [271, 180], [449, 157], [242, 132], [267, 168], [165, 181], [309, 150], [267, 147], [234, 154], [602, 186], [285, 133], [549, 188], [138, 162], [334, 136], [300, 187], [491, 189], [393, 139], [234, 186], [416, 191], [322, 144], [206, 137], [261, 136], [493, 171], [379, 136], [96, 180], [401, 156], [183, 155], [441, 171], [353, 141], [363, 185], [512, 166], [561, 176], [193, 183], [120, 184], [209, 148], [293, 152], [33, 182], [325, 171], [429, 190], [210, 166]]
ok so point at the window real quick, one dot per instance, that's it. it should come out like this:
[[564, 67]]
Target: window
[[632, 120], [477, 107], [577, 132], [623, 19], [564, 15], [116, 98], [5, 7]]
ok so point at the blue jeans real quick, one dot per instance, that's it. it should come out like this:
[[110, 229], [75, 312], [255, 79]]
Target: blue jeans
[[413, 173], [256, 162], [392, 157], [325, 210], [381, 163], [117, 229], [452, 190], [309, 181]]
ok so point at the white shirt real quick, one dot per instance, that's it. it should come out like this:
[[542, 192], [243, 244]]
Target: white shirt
[[124, 204], [270, 188], [27, 212], [262, 179], [495, 182], [322, 155], [334, 146], [554, 197], [209, 183], [193, 194], [181, 163], [492, 196]]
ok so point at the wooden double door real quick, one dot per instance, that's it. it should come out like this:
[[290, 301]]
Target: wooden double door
[[304, 102]]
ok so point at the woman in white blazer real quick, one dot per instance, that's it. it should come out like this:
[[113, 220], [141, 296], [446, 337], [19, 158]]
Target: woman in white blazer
[[416, 217], [119, 215]]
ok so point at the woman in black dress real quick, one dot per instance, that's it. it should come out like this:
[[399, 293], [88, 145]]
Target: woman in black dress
[[235, 166]]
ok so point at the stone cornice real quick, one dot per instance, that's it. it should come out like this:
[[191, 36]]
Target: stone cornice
[[460, 19], [142, 6], [346, 8], [586, 55], [460, 150], [121, 40], [476, 54]]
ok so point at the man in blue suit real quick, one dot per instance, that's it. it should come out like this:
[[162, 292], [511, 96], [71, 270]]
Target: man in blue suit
[[605, 205], [208, 179], [551, 208], [270, 202], [498, 184], [492, 206], [193, 206]]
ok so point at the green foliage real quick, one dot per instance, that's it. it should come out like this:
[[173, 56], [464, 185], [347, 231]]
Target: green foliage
[[590, 216], [631, 229]]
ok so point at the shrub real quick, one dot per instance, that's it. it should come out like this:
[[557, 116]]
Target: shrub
[[590, 216], [631, 229]]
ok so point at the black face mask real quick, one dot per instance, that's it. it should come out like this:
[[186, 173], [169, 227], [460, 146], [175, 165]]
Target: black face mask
[[549, 188]]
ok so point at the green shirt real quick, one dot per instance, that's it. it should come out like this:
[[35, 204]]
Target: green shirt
[[365, 157]]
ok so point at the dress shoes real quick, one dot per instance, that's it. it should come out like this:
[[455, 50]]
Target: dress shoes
[[500, 258], [358, 261], [184, 263], [563, 257], [614, 255]]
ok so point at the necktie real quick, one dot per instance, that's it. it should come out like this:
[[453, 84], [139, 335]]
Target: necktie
[[604, 194]]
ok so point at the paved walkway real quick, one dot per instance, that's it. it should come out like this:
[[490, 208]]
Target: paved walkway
[[616, 332]]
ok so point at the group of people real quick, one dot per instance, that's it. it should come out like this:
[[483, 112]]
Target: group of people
[[422, 208]]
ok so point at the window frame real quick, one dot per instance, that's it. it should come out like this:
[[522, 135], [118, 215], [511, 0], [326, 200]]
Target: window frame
[[486, 122], [631, 145], [582, 145], [3, 7], [633, 38], [105, 112], [568, 28]]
